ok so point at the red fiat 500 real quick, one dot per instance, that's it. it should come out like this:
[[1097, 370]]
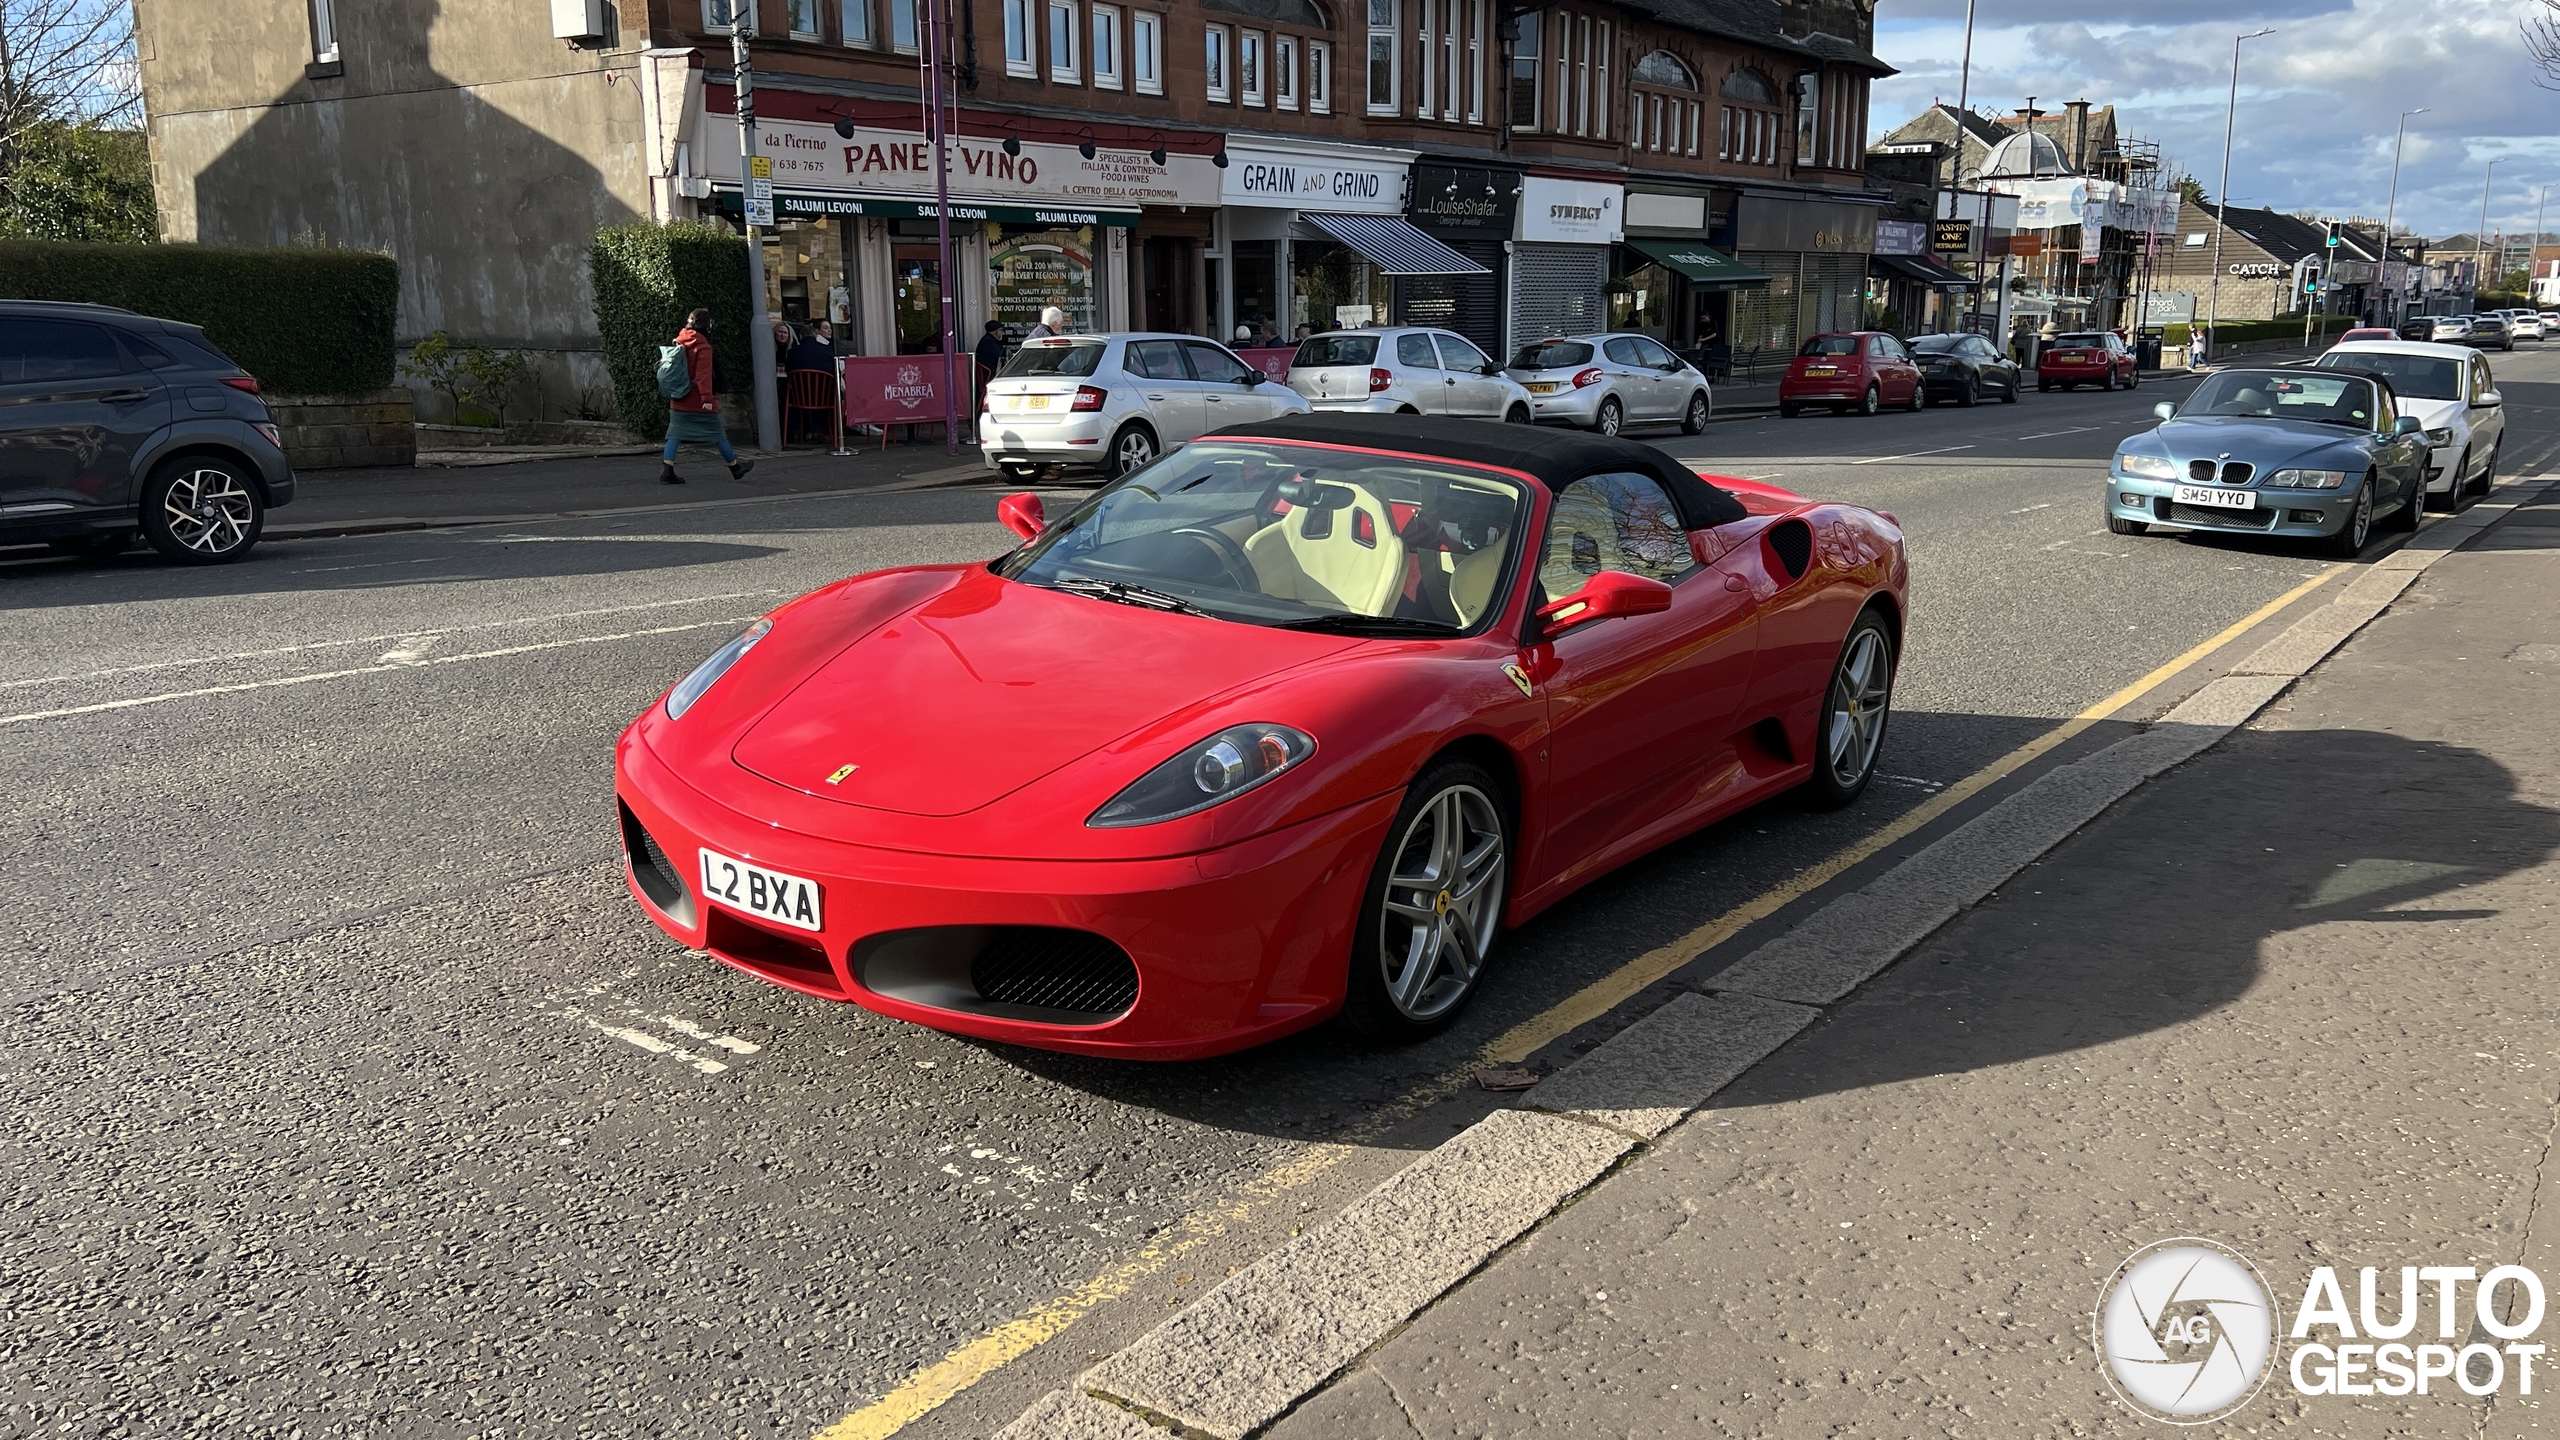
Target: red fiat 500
[[2096, 358], [1859, 371]]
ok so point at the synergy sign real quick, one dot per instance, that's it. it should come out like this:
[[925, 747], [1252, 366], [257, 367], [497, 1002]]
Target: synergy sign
[[900, 163]]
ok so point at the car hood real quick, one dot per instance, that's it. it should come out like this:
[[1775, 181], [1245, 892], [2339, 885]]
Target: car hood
[[991, 685], [2267, 444]]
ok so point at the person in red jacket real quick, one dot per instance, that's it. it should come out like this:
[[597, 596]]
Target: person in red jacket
[[695, 419]]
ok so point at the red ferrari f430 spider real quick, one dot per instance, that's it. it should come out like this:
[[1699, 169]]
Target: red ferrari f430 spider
[[1295, 721]]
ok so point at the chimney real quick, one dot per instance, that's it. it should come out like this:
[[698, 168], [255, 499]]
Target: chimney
[[2078, 129]]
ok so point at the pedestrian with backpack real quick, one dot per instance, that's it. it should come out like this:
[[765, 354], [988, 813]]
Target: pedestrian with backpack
[[693, 411]]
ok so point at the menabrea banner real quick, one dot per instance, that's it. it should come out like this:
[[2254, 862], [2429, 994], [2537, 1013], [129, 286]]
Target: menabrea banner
[[901, 389]]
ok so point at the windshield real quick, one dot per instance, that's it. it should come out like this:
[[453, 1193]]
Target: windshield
[[2285, 395], [1830, 345], [2412, 377], [1936, 344], [1552, 355], [1275, 534], [1054, 357], [1337, 350]]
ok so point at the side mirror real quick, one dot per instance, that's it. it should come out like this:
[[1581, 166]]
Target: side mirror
[[2406, 425], [1252, 378], [1491, 368], [1607, 595], [2164, 410], [1023, 515], [2489, 400]]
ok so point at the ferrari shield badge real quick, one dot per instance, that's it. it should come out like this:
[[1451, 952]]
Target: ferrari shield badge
[[841, 772], [1519, 677]]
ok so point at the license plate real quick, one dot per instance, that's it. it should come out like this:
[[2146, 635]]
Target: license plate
[[2219, 498], [1035, 402], [1821, 370], [766, 894], [1542, 387]]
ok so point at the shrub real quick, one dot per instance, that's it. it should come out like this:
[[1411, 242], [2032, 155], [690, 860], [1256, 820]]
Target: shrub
[[303, 319], [646, 276], [2237, 332]]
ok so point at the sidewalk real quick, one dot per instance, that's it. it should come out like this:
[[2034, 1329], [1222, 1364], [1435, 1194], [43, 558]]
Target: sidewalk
[[2293, 996]]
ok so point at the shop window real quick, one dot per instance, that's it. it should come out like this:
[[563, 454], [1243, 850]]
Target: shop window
[[1524, 72], [1106, 47], [1320, 77], [1249, 77], [803, 18], [1032, 269], [1284, 72], [324, 32], [1214, 59], [1017, 38], [717, 15], [1146, 52], [1064, 67], [856, 19], [902, 26], [1382, 57]]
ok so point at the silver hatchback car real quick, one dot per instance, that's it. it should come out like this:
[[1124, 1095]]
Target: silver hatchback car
[[1609, 382], [1115, 402], [1399, 371]]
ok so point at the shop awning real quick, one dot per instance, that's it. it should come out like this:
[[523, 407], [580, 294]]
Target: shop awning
[[819, 204], [1706, 269], [1924, 269], [1395, 244]]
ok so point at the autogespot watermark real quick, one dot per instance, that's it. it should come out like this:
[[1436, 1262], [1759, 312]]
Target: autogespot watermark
[[2188, 1331]]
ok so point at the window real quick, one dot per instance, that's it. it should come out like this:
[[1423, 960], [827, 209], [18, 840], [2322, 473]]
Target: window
[[1382, 57], [1524, 73], [1146, 51], [1808, 118], [1413, 352], [1475, 63], [1155, 360], [902, 25], [1017, 36], [1604, 101], [1423, 59], [1613, 522], [1750, 119], [41, 350], [1560, 93], [803, 16], [1214, 55], [1582, 75], [1215, 364], [324, 27], [1249, 53], [1064, 67], [856, 18], [1457, 354], [1320, 77], [1284, 72], [717, 15], [1106, 47]]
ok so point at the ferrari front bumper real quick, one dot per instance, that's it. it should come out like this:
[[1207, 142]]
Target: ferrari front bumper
[[1231, 947]]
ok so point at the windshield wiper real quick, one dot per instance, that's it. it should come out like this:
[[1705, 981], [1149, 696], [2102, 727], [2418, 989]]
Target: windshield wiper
[[1368, 625], [1127, 594]]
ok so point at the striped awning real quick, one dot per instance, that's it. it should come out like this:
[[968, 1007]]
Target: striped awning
[[1395, 245]]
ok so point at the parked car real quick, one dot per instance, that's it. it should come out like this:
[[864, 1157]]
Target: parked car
[[2368, 332], [1608, 382], [1964, 368], [2550, 321], [2275, 452], [2088, 357], [117, 424], [2526, 324], [2437, 329], [2449, 389], [1860, 370], [1411, 372], [2491, 332], [1115, 402]]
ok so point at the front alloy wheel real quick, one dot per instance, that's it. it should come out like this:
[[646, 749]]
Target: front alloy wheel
[[1435, 906], [2348, 543], [198, 510], [1694, 419]]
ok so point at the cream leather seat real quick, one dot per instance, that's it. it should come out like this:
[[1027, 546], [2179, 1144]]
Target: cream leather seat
[[1341, 557], [1471, 583]]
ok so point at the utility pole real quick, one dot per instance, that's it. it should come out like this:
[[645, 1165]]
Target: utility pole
[[2533, 256], [2400, 297], [1955, 165], [938, 126], [742, 24], [2481, 279], [2222, 195]]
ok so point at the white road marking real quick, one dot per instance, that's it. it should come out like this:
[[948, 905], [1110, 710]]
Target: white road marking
[[1912, 455], [2047, 505], [730, 1043], [317, 676], [368, 565], [412, 651], [1913, 780], [2049, 434], [641, 1039], [379, 639]]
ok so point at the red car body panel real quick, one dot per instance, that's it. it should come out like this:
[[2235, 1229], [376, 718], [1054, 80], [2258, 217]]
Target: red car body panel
[[986, 719], [1843, 379]]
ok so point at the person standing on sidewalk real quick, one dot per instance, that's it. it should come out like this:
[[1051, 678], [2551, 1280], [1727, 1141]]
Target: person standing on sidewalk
[[2195, 347], [693, 418]]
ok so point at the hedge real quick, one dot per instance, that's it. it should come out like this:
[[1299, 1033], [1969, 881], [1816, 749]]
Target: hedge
[[2241, 332], [303, 319], [646, 277]]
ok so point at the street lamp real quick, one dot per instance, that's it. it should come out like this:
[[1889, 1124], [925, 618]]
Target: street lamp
[[742, 28], [2221, 222], [2480, 280], [2533, 257], [2400, 298]]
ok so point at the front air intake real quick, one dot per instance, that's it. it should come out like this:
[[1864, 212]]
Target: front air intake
[[1042, 973], [653, 871]]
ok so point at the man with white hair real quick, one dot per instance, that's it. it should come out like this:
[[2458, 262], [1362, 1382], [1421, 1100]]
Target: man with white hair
[[1053, 321]]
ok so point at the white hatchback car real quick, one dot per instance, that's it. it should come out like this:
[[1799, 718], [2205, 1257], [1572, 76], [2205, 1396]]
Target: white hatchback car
[[1609, 382], [1410, 372], [1115, 402], [2526, 324], [2451, 392]]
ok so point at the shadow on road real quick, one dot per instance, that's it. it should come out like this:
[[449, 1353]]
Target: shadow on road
[[140, 573]]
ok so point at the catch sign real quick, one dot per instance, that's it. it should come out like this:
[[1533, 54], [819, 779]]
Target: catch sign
[[1951, 237]]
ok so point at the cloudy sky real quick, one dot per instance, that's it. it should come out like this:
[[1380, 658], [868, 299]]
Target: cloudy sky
[[2318, 99]]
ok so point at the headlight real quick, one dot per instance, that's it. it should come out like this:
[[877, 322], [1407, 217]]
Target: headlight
[[2151, 467], [1212, 772], [681, 698], [2440, 436], [2308, 479]]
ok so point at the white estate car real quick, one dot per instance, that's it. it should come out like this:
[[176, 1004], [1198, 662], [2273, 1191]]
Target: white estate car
[[1399, 371], [1608, 382], [1114, 402], [2450, 390]]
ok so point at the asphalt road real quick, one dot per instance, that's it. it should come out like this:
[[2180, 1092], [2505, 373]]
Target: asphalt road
[[348, 1094]]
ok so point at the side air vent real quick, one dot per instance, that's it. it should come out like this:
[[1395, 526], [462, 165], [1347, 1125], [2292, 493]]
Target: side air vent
[[1792, 542]]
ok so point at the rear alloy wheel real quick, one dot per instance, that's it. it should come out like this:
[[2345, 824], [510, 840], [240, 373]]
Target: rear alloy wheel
[[1694, 419], [1433, 908], [1872, 401], [1972, 395], [199, 510], [1612, 417], [1518, 415], [1131, 449], [1849, 733], [2348, 543]]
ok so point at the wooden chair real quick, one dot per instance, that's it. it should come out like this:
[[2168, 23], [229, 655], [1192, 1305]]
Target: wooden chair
[[811, 392]]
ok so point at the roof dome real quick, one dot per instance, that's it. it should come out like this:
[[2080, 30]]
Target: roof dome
[[2027, 153]]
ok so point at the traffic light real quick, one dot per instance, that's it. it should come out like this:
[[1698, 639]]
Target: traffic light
[[2332, 241], [2311, 278]]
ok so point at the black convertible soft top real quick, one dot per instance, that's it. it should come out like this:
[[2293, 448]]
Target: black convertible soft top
[[1554, 458]]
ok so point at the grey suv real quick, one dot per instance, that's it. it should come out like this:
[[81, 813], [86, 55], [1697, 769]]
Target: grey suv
[[113, 423]]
